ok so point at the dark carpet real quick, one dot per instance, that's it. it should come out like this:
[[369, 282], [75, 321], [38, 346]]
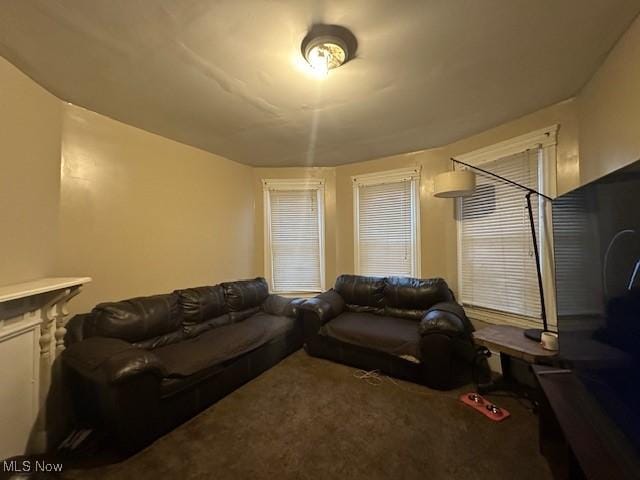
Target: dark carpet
[[308, 418]]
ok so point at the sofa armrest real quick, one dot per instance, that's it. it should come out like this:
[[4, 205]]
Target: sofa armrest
[[111, 360], [447, 318], [325, 306], [132, 363], [319, 310], [447, 352], [315, 313], [318, 307]]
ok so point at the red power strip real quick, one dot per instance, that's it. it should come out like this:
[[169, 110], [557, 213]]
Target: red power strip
[[494, 412]]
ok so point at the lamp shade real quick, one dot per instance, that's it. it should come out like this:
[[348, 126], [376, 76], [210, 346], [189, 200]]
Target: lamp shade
[[459, 183]]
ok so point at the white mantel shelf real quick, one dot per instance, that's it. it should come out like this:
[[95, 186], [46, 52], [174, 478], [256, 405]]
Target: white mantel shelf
[[41, 285]]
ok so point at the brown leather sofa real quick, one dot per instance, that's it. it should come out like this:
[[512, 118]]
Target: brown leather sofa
[[406, 327], [139, 367]]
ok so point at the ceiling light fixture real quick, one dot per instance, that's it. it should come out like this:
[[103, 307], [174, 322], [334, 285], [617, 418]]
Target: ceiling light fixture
[[327, 47]]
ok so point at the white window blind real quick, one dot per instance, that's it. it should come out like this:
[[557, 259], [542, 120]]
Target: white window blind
[[387, 239], [497, 262], [295, 238]]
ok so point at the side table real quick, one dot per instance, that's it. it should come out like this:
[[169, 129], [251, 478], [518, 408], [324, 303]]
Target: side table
[[512, 345]]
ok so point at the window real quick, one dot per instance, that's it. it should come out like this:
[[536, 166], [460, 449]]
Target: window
[[498, 265], [294, 235], [387, 223], [496, 262], [578, 272]]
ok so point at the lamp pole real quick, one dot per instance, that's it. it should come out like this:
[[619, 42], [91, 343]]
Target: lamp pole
[[534, 333]]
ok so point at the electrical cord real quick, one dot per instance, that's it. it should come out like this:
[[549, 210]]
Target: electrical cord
[[375, 378], [372, 377]]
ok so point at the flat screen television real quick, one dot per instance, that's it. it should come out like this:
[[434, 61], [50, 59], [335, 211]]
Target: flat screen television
[[597, 272]]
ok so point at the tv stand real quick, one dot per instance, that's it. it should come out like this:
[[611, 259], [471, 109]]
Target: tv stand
[[573, 434]]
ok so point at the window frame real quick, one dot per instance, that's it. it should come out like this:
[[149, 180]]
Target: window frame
[[304, 184], [545, 140], [411, 174]]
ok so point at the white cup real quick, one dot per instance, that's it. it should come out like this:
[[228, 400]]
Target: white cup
[[549, 341]]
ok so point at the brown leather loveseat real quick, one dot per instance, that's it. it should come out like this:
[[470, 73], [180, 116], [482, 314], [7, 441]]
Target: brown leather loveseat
[[410, 328]]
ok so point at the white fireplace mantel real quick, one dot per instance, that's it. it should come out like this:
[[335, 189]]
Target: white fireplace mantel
[[41, 285], [32, 328]]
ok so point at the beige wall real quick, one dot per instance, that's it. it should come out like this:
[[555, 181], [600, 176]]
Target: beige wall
[[438, 231], [84, 195], [438, 227], [142, 214], [30, 122], [329, 176], [609, 110]]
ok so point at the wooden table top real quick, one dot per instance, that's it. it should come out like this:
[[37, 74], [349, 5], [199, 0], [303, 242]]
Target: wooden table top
[[511, 340]]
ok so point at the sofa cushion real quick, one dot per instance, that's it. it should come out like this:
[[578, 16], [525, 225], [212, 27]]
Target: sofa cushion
[[396, 336], [161, 340], [362, 291], [416, 294], [403, 313], [215, 322], [201, 303], [135, 319], [220, 344], [245, 294], [242, 314]]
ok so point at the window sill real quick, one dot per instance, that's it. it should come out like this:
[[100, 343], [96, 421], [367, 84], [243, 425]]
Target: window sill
[[297, 294], [501, 318]]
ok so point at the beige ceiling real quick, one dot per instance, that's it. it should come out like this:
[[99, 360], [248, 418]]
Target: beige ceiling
[[226, 76]]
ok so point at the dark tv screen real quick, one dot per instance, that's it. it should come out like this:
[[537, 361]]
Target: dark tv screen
[[597, 271]]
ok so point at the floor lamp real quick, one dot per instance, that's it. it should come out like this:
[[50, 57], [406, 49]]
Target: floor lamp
[[461, 183]]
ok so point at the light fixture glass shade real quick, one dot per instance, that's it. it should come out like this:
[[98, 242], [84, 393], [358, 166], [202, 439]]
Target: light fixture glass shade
[[324, 54], [459, 183], [319, 58]]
